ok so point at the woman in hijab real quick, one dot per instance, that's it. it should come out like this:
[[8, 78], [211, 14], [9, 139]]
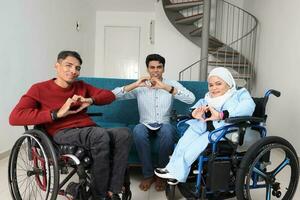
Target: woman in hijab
[[223, 100]]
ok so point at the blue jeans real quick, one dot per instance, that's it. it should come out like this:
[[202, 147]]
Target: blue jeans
[[166, 136]]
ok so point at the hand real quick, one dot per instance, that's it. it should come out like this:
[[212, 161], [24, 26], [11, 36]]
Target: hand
[[156, 83], [74, 105], [199, 113], [215, 115], [142, 82]]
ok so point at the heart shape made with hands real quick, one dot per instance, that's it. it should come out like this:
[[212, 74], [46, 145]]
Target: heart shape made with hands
[[75, 105], [150, 83]]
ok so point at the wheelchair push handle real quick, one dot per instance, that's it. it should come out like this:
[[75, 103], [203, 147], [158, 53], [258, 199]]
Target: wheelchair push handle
[[274, 92]]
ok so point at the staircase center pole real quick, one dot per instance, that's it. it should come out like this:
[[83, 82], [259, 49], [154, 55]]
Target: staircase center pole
[[205, 40]]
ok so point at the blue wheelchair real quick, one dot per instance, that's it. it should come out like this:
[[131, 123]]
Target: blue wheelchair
[[40, 169], [234, 166]]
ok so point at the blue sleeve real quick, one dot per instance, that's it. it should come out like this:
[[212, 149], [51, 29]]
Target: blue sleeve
[[242, 105]]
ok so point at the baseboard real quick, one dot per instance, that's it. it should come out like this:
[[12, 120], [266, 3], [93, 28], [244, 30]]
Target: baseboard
[[4, 154]]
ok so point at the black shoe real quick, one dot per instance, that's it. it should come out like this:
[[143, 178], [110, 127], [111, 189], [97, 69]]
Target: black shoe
[[115, 197], [72, 190]]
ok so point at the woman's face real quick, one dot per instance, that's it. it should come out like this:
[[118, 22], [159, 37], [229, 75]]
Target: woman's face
[[216, 86]]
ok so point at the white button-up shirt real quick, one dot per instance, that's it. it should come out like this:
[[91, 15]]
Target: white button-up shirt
[[155, 105]]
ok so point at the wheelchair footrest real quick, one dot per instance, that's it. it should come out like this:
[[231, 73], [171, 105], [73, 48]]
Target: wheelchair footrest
[[218, 175]]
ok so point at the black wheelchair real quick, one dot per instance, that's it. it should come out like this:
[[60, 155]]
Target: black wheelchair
[[266, 169], [37, 163]]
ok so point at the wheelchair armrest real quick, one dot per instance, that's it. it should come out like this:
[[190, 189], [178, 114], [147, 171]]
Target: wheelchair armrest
[[182, 117], [95, 114], [234, 120]]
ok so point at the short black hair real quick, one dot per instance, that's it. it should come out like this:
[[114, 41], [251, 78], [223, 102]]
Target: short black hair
[[155, 57], [64, 54]]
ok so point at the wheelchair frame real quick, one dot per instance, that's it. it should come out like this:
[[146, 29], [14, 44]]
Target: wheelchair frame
[[42, 165], [221, 171]]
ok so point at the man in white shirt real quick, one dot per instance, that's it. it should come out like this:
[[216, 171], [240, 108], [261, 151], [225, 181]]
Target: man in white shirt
[[155, 97]]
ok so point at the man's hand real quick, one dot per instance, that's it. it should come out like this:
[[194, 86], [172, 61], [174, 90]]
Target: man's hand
[[144, 82], [74, 105], [156, 83]]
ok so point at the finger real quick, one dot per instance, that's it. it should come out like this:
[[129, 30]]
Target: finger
[[208, 119], [83, 106]]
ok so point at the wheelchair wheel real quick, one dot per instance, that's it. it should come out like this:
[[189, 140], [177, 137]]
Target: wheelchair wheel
[[269, 170], [188, 189], [33, 170]]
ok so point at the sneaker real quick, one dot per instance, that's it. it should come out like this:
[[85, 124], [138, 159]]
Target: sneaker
[[163, 173], [172, 181]]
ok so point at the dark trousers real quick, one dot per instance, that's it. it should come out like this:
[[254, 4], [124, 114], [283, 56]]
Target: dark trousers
[[166, 136], [109, 149]]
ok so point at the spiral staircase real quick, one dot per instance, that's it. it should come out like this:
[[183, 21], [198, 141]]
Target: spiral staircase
[[231, 41]]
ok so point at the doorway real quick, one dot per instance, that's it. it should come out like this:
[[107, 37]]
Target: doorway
[[121, 51]]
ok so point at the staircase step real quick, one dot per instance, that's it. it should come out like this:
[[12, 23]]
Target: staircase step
[[228, 64], [196, 32], [242, 76], [215, 43], [189, 20], [183, 5], [224, 53]]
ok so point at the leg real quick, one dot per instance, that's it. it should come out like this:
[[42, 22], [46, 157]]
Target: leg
[[96, 140], [142, 143], [166, 135], [120, 145], [189, 147]]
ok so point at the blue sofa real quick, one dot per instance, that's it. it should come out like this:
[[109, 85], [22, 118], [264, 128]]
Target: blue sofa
[[124, 113]]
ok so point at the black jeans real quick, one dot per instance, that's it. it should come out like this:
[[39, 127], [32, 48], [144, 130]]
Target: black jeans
[[109, 149]]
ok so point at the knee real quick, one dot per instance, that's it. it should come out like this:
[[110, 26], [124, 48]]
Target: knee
[[140, 132], [168, 131], [99, 137], [124, 135]]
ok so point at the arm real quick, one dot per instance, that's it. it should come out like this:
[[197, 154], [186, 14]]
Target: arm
[[244, 107], [128, 91], [98, 96], [27, 111], [176, 89]]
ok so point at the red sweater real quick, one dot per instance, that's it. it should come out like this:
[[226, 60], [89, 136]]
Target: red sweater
[[36, 105]]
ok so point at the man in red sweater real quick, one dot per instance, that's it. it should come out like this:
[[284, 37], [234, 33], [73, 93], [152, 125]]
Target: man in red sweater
[[60, 106]]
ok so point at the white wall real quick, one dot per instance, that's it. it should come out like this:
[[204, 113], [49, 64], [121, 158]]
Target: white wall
[[122, 6], [32, 33], [115, 18], [278, 61]]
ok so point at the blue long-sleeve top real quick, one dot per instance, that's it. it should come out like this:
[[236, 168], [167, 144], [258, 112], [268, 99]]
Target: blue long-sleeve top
[[239, 104]]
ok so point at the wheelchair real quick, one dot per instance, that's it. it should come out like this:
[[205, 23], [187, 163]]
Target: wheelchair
[[267, 169], [37, 163]]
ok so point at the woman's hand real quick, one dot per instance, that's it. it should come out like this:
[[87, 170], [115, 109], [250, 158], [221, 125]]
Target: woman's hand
[[199, 113], [215, 115]]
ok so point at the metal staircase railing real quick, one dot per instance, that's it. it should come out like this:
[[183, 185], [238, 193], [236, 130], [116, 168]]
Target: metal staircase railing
[[232, 37]]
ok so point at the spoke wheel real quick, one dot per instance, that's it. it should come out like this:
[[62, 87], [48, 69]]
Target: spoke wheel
[[269, 170], [33, 170]]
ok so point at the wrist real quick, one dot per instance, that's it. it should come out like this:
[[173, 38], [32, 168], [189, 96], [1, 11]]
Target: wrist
[[92, 100], [54, 115], [221, 115], [171, 90]]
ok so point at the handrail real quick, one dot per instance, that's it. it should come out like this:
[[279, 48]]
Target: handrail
[[237, 54]]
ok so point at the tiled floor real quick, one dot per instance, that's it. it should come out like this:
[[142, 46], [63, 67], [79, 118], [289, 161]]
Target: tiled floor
[[135, 179]]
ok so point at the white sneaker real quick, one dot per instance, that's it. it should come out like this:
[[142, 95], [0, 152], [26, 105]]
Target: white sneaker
[[163, 173]]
